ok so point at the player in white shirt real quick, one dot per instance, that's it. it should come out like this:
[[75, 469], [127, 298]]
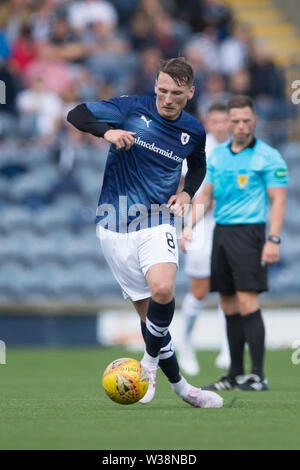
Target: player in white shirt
[[197, 259]]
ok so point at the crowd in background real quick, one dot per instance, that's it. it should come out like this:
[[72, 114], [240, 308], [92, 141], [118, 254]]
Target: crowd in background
[[56, 53]]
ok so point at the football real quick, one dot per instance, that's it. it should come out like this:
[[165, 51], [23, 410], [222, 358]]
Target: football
[[125, 381]]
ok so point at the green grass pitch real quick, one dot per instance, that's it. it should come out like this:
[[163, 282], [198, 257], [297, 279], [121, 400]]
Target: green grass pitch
[[53, 399]]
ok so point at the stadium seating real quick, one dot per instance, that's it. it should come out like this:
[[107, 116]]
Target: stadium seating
[[49, 251], [48, 245]]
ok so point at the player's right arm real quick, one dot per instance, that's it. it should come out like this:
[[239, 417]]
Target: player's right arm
[[101, 118], [120, 138]]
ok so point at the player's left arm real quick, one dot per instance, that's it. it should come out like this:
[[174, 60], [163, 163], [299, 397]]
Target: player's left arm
[[277, 198]]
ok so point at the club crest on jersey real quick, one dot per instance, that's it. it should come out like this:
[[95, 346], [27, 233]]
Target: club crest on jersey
[[185, 138], [242, 180]]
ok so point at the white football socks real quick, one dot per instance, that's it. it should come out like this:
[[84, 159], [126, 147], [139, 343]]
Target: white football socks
[[181, 388], [149, 361], [191, 308]]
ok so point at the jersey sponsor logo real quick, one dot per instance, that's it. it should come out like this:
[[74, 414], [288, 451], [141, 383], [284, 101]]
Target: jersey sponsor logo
[[154, 148], [147, 121], [242, 180], [281, 173], [185, 138]]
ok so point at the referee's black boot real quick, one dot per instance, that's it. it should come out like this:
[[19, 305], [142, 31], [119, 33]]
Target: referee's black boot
[[225, 382], [252, 382]]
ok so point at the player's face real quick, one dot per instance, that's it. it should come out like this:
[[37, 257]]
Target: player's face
[[242, 124], [217, 123], [170, 97]]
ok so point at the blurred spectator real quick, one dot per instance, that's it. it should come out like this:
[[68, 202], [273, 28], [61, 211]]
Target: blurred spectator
[[4, 47], [206, 46], [86, 12], [111, 59], [55, 73], [67, 44], [125, 9], [214, 90], [141, 35], [69, 138], [70, 98], [42, 19], [14, 15], [169, 34], [144, 80], [143, 22], [80, 48], [40, 110], [195, 58], [234, 50], [190, 11], [151, 8], [268, 90], [266, 81], [61, 33], [24, 51], [239, 82], [216, 14], [87, 87]]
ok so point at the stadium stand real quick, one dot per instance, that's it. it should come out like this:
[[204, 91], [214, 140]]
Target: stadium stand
[[50, 175]]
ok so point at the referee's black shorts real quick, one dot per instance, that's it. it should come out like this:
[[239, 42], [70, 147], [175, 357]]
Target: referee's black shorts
[[236, 259]]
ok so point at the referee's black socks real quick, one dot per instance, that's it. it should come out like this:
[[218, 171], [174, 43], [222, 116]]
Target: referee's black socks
[[255, 337], [236, 342]]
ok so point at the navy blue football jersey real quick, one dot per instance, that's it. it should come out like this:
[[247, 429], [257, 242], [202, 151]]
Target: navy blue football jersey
[[138, 183]]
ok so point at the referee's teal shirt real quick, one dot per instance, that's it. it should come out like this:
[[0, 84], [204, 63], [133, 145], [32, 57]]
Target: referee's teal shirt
[[241, 180]]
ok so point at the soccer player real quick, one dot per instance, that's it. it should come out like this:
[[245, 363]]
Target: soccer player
[[242, 176], [198, 254], [150, 136]]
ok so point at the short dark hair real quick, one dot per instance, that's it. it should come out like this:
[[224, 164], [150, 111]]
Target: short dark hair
[[179, 69], [217, 106], [241, 101]]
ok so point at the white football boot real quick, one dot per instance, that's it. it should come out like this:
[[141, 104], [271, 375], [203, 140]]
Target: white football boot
[[149, 395], [196, 396], [203, 399]]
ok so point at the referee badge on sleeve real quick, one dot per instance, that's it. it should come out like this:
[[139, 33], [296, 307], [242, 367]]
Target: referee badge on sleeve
[[242, 181], [281, 173]]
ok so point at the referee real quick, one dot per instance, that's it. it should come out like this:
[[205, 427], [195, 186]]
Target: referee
[[243, 174]]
